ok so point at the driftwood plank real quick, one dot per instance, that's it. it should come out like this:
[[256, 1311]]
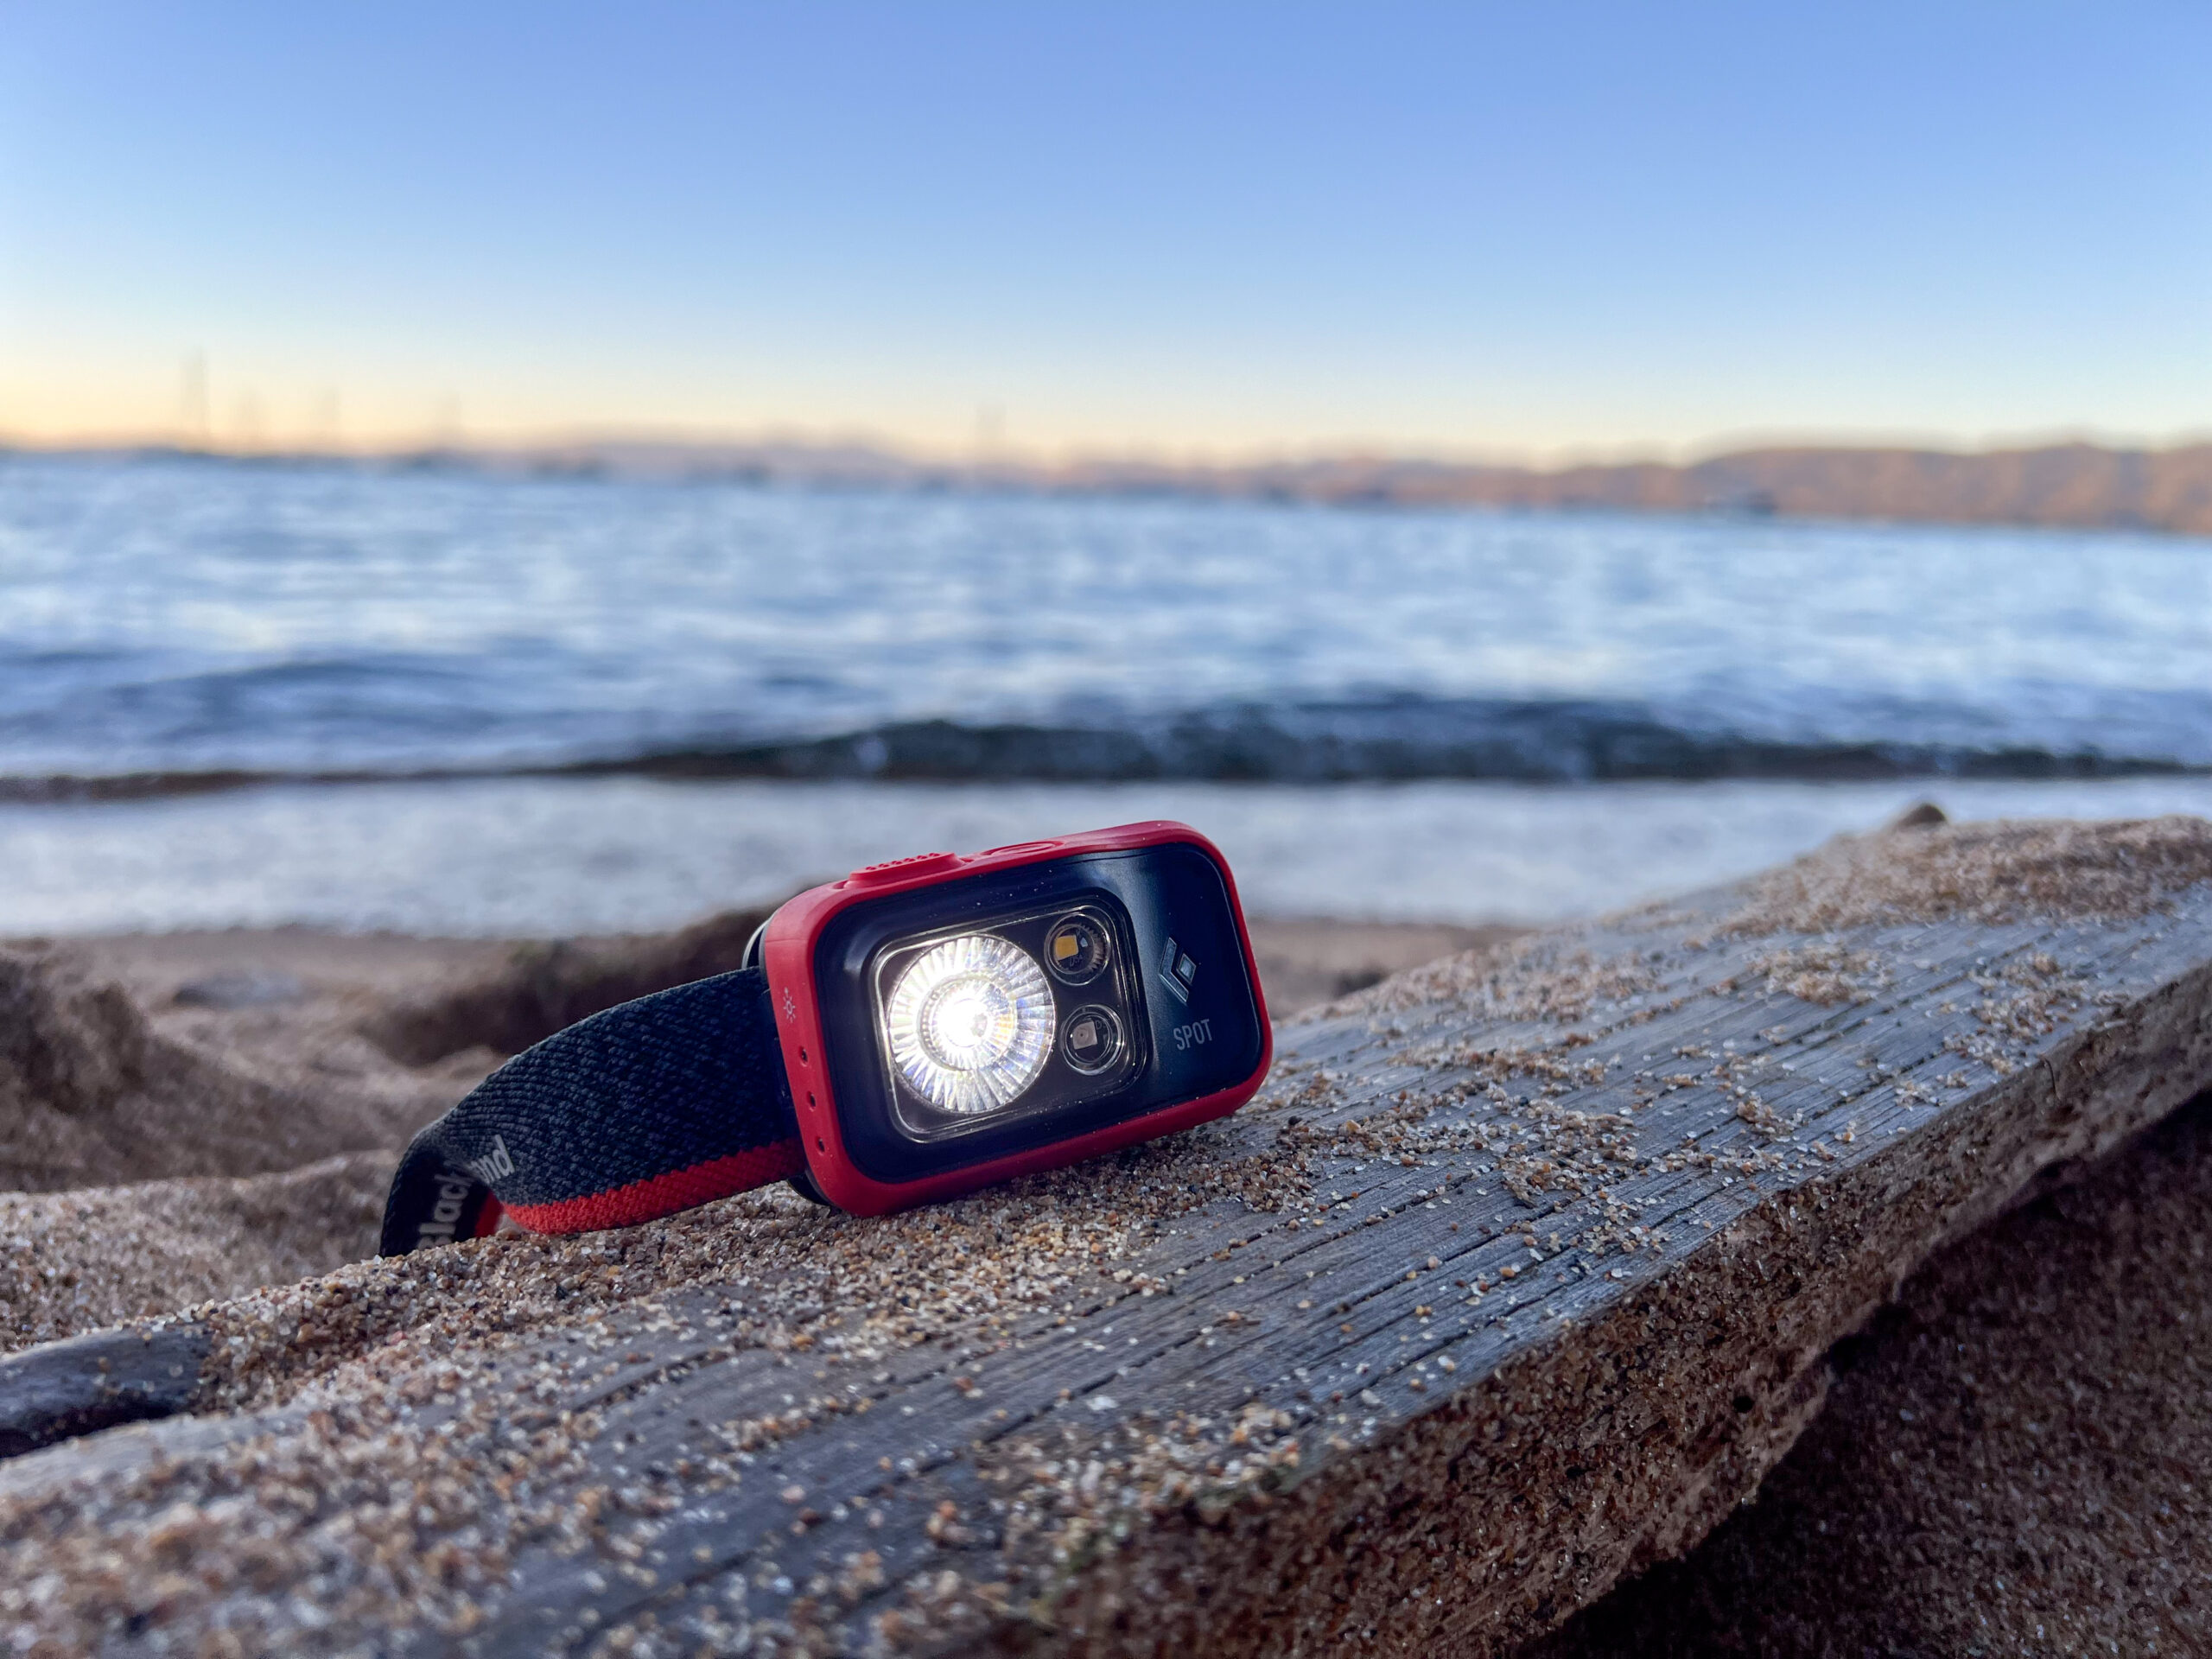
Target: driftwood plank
[[62, 1389], [1521, 1274]]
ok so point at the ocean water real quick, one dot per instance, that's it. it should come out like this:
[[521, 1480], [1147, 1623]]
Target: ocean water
[[177, 616], [572, 706]]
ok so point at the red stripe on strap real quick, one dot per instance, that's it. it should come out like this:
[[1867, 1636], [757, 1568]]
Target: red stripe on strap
[[663, 1195]]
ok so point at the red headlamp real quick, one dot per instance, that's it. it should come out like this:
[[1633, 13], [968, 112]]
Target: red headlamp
[[917, 1029]]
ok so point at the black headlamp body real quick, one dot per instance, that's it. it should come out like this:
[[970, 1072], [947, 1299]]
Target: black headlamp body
[[1153, 1006]]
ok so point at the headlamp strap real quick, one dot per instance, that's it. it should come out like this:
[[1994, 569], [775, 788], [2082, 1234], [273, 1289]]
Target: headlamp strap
[[637, 1112]]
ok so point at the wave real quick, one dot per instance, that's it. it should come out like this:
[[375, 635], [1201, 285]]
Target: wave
[[1396, 740]]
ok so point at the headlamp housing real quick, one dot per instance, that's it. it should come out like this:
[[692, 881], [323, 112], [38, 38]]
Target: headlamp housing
[[948, 1021]]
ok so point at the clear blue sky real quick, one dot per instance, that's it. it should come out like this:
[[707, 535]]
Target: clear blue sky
[[1514, 229]]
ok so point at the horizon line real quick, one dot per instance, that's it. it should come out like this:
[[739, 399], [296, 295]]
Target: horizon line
[[552, 443]]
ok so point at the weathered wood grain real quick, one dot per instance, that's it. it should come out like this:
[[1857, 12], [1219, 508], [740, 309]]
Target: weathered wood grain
[[1517, 1277], [61, 1390]]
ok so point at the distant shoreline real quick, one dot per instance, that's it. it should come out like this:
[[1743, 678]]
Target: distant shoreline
[[2072, 486]]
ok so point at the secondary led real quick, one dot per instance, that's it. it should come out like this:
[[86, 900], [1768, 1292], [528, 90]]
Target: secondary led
[[1092, 1040], [970, 1023], [1076, 949]]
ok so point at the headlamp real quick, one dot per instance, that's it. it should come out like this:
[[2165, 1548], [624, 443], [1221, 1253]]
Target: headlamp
[[916, 1030]]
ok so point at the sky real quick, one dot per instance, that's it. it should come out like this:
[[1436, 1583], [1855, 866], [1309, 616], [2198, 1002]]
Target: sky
[[1190, 231]]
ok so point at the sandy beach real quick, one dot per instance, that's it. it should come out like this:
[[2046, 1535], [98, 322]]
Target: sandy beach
[[1666, 566], [2006, 1461]]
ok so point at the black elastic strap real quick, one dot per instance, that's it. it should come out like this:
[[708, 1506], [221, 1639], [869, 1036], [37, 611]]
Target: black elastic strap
[[639, 1111]]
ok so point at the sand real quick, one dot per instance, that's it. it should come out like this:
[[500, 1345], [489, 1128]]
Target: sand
[[75, 1261], [229, 1055]]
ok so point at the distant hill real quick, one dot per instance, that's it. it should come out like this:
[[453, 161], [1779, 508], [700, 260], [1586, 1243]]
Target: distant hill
[[2074, 484], [2081, 485]]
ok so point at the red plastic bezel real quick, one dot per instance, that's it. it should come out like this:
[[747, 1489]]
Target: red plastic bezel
[[787, 953]]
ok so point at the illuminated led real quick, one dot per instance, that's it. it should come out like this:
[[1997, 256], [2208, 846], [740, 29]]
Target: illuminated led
[[970, 1023], [1076, 948]]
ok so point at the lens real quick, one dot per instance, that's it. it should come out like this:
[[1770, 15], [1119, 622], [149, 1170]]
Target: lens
[[1076, 949], [970, 1023], [1092, 1038]]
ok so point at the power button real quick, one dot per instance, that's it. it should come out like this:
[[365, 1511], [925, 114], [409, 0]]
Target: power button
[[898, 870]]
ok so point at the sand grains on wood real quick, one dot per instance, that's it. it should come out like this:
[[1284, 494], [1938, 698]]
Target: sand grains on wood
[[2013, 1459], [1997, 871]]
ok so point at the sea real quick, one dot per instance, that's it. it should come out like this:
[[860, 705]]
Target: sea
[[452, 699]]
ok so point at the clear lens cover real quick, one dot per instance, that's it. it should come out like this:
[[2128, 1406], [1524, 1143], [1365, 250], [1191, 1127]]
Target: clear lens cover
[[986, 1024], [970, 1023]]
